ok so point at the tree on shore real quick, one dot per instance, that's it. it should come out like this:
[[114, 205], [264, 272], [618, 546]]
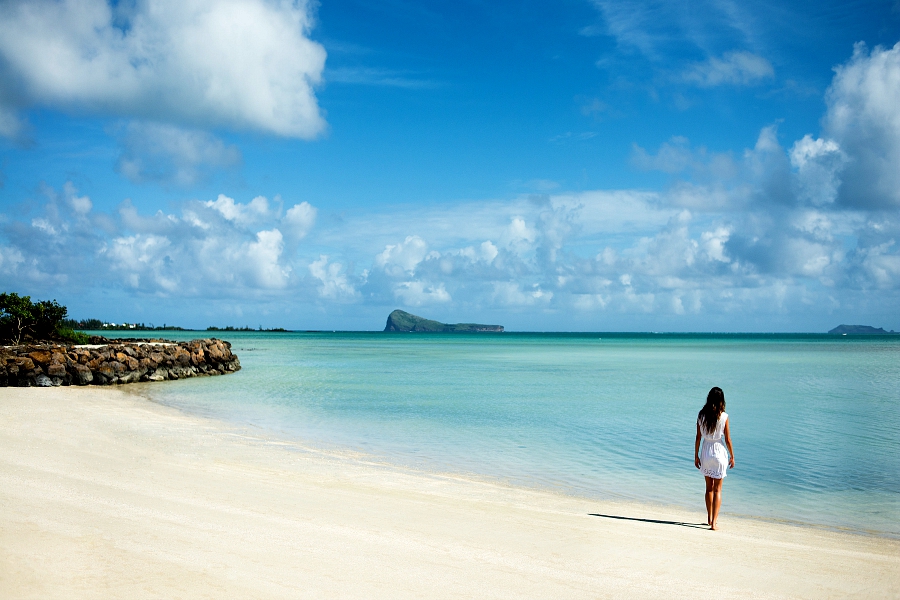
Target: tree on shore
[[83, 323], [21, 319]]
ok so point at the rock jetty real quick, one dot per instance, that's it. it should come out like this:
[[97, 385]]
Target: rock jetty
[[118, 362]]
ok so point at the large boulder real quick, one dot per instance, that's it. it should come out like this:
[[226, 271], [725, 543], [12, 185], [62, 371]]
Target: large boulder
[[24, 363], [56, 370], [83, 375], [41, 357]]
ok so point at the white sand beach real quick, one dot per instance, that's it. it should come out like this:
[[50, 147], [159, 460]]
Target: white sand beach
[[104, 494]]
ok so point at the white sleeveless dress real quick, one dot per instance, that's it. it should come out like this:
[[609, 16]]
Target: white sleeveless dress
[[713, 454]]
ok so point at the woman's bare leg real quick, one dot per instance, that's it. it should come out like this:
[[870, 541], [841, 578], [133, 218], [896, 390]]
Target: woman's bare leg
[[716, 502], [709, 500]]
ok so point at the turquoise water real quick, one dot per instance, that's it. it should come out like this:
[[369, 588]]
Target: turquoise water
[[815, 419]]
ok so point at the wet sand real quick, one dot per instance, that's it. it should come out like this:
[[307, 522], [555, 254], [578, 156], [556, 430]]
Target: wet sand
[[106, 494]]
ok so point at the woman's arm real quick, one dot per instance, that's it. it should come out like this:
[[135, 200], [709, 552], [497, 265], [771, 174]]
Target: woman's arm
[[728, 443], [697, 446]]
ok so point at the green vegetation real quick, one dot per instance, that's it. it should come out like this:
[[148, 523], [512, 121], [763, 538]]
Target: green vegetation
[[91, 324], [403, 321], [23, 320]]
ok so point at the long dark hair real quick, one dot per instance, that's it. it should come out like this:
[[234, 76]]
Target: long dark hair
[[712, 410]]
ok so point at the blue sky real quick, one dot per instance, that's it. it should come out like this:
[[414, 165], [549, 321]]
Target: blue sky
[[571, 165]]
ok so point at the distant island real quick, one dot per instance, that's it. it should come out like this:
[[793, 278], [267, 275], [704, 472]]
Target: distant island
[[865, 329], [403, 321]]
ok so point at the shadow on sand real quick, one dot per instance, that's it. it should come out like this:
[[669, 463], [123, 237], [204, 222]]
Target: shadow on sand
[[693, 525]]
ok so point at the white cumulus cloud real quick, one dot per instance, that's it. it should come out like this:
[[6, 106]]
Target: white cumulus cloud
[[403, 257], [243, 64], [863, 117], [82, 205], [819, 163], [299, 219], [485, 252], [419, 293], [237, 212], [10, 259], [519, 235], [144, 259], [219, 248], [333, 281], [263, 260]]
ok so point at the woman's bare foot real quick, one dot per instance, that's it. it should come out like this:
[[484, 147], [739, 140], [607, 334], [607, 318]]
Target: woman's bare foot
[[714, 526]]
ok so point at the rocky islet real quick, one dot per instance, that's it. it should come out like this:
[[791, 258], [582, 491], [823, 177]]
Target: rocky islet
[[119, 362], [402, 321]]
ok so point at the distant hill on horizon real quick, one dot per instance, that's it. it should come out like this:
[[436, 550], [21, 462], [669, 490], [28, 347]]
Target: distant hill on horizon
[[857, 329], [403, 321]]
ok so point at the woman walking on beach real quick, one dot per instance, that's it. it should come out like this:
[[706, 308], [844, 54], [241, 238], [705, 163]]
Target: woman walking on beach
[[713, 460]]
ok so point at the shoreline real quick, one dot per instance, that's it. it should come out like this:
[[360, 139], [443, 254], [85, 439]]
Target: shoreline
[[104, 489], [361, 456]]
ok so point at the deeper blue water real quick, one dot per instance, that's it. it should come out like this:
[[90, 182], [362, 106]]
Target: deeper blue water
[[815, 419]]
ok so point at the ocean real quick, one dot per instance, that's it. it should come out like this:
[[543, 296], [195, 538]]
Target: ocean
[[815, 419]]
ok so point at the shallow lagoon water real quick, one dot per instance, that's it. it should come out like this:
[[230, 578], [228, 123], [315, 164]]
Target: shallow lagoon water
[[815, 418]]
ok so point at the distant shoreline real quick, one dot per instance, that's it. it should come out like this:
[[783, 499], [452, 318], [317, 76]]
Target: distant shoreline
[[505, 333]]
